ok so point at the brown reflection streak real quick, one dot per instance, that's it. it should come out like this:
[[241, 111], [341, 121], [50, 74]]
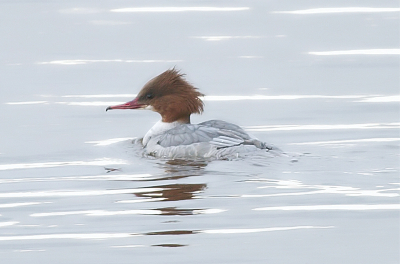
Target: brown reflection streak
[[174, 192], [175, 211], [172, 232], [176, 169], [187, 163], [169, 245]]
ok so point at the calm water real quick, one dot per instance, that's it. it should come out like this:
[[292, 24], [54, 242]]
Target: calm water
[[321, 84]]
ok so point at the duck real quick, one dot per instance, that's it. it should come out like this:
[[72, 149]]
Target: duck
[[175, 137]]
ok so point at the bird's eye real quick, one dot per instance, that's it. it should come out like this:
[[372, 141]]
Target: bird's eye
[[149, 96]]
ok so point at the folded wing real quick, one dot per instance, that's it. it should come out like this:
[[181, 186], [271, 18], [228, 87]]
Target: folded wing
[[218, 133]]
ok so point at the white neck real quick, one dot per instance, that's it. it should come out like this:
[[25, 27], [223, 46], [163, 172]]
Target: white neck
[[159, 128]]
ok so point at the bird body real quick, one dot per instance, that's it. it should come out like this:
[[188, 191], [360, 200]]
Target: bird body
[[174, 137]]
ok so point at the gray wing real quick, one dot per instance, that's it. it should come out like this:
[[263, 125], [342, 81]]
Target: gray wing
[[190, 134], [232, 128], [218, 133], [236, 131]]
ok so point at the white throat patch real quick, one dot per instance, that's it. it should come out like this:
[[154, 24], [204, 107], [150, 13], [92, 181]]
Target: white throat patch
[[159, 128], [148, 107]]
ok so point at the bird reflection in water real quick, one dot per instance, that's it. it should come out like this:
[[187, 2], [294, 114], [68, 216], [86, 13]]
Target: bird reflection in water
[[178, 169], [174, 170]]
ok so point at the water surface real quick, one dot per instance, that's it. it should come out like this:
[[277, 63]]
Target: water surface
[[319, 80]]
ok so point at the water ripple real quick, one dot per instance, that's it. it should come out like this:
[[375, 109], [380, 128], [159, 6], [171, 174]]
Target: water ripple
[[350, 207], [340, 10]]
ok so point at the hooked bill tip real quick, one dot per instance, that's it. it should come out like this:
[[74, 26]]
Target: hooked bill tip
[[108, 108]]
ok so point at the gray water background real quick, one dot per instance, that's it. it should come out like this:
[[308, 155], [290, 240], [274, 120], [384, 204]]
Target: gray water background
[[67, 195]]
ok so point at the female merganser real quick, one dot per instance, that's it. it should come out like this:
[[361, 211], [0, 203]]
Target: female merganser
[[174, 137]]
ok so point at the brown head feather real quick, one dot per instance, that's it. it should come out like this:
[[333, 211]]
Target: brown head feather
[[172, 96]]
